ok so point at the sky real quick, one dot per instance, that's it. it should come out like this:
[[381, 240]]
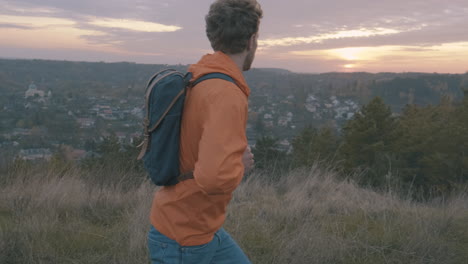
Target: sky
[[298, 35]]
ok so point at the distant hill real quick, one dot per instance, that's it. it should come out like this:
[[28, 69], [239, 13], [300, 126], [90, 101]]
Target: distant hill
[[275, 70], [95, 78]]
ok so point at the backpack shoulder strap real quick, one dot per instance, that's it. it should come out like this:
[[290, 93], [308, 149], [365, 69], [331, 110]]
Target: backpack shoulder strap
[[214, 75]]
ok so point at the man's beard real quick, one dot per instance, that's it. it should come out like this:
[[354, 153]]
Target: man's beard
[[249, 60]]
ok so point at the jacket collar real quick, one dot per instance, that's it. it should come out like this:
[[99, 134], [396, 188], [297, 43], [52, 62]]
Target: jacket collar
[[222, 63]]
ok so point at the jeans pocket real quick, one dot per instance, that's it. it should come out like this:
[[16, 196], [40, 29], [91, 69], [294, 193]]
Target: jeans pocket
[[197, 248], [199, 254], [157, 249], [208, 247]]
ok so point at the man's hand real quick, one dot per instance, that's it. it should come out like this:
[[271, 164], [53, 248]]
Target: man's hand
[[248, 159]]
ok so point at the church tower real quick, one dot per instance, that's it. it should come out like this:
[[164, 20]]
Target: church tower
[[33, 91]]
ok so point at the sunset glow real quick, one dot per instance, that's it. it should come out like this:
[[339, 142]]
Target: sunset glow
[[407, 57], [350, 54]]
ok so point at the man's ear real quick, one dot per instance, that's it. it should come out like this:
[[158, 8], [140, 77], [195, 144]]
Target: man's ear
[[252, 40]]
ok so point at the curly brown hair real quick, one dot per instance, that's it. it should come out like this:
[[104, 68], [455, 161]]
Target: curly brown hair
[[231, 23]]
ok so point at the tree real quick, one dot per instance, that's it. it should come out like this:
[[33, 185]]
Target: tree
[[311, 146], [259, 126], [462, 120], [114, 156], [109, 146], [266, 153], [368, 142], [432, 152]]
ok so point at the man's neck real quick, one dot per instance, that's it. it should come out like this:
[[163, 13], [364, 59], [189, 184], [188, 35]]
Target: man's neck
[[239, 59]]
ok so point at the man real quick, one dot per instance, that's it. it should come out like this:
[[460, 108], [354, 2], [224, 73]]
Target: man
[[187, 218]]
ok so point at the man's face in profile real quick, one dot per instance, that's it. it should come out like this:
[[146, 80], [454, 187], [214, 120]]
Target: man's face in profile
[[251, 54]]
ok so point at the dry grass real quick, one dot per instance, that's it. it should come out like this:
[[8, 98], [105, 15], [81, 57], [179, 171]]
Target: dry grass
[[308, 217]]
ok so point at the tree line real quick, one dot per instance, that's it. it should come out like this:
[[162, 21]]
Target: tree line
[[424, 149]]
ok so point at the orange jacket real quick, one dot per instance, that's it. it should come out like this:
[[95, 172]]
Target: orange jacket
[[212, 143]]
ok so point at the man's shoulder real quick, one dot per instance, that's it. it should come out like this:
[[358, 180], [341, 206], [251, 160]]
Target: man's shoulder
[[221, 89]]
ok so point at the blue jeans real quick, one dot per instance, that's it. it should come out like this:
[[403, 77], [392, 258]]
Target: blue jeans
[[221, 250]]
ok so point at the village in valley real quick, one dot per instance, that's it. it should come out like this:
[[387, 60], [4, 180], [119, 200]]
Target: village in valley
[[85, 121], [68, 108], [91, 119]]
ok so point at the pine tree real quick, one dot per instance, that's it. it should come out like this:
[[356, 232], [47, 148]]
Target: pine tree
[[430, 149], [368, 142], [462, 120], [109, 146], [312, 146], [266, 153]]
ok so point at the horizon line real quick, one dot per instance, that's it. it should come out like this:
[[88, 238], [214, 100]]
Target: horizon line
[[255, 68]]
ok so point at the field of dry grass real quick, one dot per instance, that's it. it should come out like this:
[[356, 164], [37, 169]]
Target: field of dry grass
[[71, 216]]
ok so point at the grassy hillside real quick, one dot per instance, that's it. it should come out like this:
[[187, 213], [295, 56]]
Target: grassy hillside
[[71, 216]]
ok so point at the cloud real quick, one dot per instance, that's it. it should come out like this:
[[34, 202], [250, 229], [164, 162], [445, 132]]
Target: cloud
[[134, 25], [8, 25], [44, 32], [417, 21], [146, 10], [302, 35], [356, 33], [35, 21]]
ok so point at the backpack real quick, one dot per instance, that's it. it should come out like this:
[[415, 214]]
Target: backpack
[[164, 103]]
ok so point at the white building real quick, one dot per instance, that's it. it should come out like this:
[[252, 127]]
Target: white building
[[311, 108], [283, 121], [33, 92], [311, 98], [35, 154], [86, 122]]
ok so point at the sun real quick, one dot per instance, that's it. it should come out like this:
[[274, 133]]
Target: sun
[[349, 54], [349, 66]]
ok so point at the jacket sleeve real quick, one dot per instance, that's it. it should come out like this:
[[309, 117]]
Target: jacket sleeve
[[219, 168]]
